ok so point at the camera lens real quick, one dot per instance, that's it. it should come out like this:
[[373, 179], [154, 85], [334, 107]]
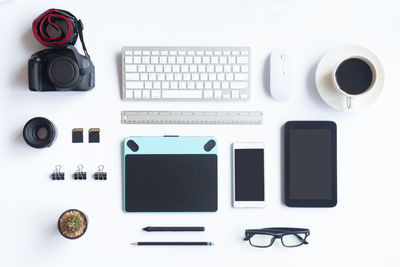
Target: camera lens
[[39, 132], [63, 72]]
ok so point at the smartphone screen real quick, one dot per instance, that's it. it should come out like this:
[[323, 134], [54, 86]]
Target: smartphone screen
[[249, 174]]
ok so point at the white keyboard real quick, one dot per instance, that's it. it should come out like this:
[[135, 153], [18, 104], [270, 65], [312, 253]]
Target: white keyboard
[[186, 73]]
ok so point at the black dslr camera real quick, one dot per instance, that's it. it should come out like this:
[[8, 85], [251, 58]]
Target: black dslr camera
[[61, 67]]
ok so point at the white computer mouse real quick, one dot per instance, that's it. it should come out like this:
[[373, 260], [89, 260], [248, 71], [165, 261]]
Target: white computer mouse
[[281, 75]]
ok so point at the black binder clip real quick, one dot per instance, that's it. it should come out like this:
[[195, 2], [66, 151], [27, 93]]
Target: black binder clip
[[100, 174], [79, 174], [57, 175]]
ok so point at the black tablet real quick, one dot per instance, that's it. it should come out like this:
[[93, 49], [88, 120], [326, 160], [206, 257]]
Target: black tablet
[[310, 164]]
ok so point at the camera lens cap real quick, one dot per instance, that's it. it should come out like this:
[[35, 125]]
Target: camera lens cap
[[39, 132], [63, 71]]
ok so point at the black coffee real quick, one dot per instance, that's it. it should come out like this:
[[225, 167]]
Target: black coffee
[[354, 76]]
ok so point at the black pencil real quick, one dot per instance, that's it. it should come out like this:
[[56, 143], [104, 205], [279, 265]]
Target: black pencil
[[174, 229], [173, 244]]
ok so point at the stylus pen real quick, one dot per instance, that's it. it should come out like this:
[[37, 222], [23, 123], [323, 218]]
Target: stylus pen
[[174, 229], [173, 244]]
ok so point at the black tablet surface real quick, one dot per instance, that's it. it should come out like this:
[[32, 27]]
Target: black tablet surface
[[310, 164], [167, 183]]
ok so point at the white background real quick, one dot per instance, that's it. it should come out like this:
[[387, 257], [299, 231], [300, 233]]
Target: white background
[[362, 230]]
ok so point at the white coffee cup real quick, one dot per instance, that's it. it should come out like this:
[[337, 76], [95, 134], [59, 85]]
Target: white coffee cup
[[345, 91]]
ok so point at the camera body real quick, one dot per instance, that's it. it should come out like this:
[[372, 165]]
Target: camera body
[[60, 68]]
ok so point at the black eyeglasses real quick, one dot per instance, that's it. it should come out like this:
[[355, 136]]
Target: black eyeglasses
[[265, 237]]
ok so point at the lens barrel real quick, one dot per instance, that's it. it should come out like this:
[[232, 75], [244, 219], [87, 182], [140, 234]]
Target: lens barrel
[[39, 132]]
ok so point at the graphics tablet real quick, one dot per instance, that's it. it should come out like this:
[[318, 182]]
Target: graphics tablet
[[310, 164], [170, 174]]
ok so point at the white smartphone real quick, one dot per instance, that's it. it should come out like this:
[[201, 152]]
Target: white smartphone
[[248, 175]]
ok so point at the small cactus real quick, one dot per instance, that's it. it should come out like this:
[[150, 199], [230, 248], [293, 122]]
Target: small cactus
[[73, 223]]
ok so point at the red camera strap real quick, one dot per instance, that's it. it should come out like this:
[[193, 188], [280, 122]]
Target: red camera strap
[[66, 25]]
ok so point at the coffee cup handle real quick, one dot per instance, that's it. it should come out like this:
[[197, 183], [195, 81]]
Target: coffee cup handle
[[348, 103]]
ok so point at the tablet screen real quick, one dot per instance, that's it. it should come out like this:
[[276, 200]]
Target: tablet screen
[[310, 170]]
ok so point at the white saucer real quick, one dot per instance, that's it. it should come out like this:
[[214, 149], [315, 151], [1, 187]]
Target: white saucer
[[325, 86]]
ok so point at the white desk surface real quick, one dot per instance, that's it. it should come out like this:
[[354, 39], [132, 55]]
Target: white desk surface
[[362, 230]]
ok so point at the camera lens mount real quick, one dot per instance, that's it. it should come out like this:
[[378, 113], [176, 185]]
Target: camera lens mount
[[39, 132], [63, 71]]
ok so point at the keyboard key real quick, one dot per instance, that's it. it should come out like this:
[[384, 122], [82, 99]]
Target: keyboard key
[[199, 85], [241, 77], [195, 76], [150, 68], [191, 85], [204, 76], [182, 85], [225, 85], [221, 77], [216, 85], [208, 85], [144, 77], [128, 60], [161, 76], [167, 68], [171, 60], [188, 60], [146, 60], [157, 85], [137, 94], [206, 60], [128, 52], [131, 68], [193, 68], [173, 85], [238, 85], [129, 93], [159, 68], [165, 85], [146, 94], [148, 85], [217, 93], [202, 68], [197, 60], [208, 94], [176, 68], [212, 76], [134, 85], [180, 60], [154, 60], [137, 60], [231, 60], [214, 60], [182, 94], [152, 77], [141, 68], [219, 68], [185, 68], [163, 60], [132, 76], [242, 60], [156, 94], [235, 53], [236, 68], [178, 77], [244, 68], [169, 76]]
